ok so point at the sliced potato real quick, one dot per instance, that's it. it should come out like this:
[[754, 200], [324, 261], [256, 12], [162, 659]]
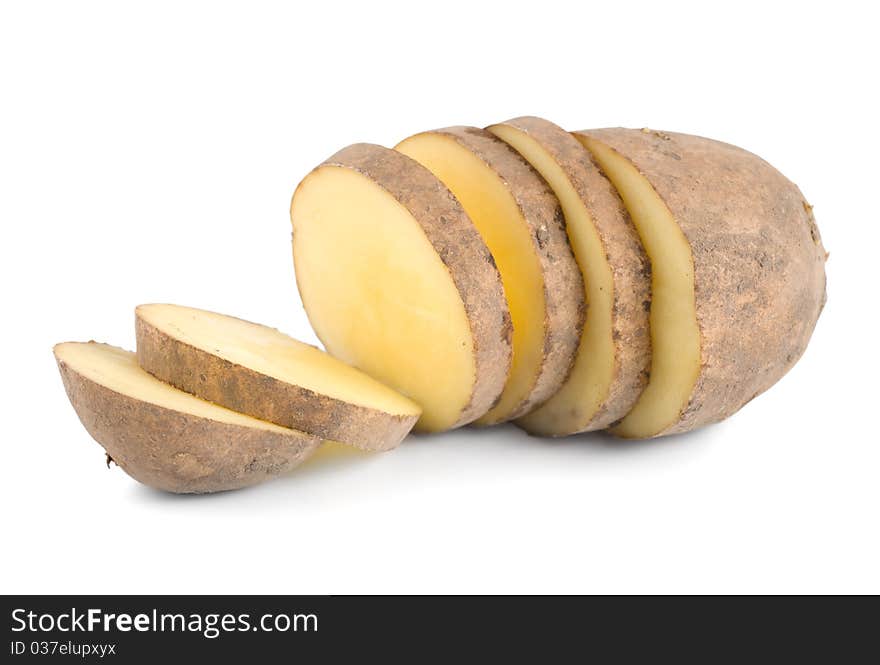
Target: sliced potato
[[610, 369], [521, 222], [397, 282], [737, 269], [166, 438], [259, 371]]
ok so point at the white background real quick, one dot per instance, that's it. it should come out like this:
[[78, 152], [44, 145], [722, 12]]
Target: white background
[[148, 152]]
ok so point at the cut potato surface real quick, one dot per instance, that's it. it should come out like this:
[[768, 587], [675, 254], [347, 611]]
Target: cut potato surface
[[263, 373], [521, 222], [166, 438], [396, 281], [610, 369], [675, 333], [738, 277]]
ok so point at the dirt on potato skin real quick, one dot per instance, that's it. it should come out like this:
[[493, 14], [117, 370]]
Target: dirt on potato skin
[[630, 271], [252, 393], [759, 263], [179, 452]]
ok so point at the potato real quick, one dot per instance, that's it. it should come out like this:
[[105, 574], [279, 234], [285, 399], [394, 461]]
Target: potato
[[522, 224], [396, 281], [263, 373], [737, 272], [166, 438], [610, 369]]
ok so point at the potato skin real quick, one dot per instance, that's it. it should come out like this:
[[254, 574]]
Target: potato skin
[[630, 270], [247, 391], [179, 452], [564, 307], [758, 259], [461, 249]]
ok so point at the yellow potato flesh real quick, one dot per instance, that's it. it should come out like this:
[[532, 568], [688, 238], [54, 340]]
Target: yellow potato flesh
[[270, 352], [495, 213], [675, 333], [378, 295], [587, 387]]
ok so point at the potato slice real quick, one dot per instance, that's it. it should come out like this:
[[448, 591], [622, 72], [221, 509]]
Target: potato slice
[[610, 369], [166, 438], [738, 278], [261, 372], [397, 282], [521, 222]]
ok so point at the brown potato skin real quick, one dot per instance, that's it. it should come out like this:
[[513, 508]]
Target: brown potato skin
[[463, 252], [179, 452], [247, 391], [630, 269], [564, 307], [758, 259]]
